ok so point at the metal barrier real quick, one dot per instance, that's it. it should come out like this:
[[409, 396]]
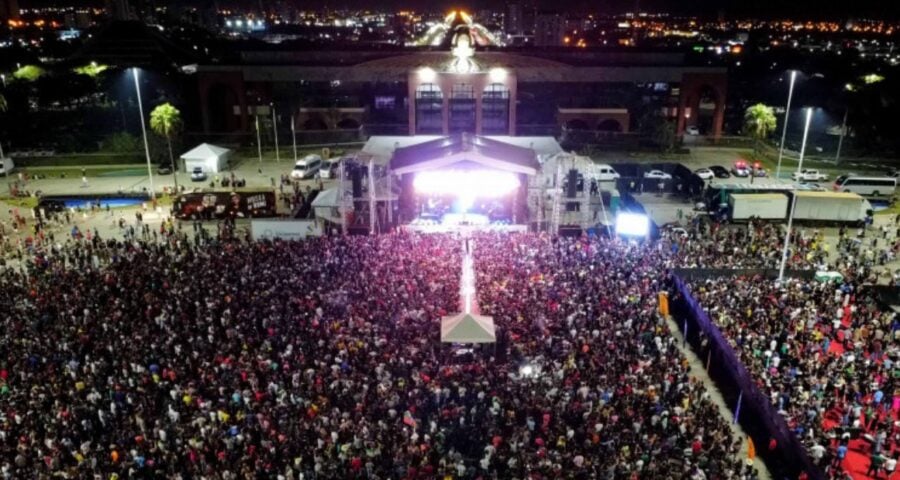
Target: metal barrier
[[751, 406]]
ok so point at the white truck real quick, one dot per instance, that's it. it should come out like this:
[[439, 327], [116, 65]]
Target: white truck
[[809, 175], [765, 206], [831, 207]]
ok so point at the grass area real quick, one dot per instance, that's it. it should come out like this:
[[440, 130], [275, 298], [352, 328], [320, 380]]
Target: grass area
[[20, 202], [788, 165], [893, 209], [75, 172], [79, 159]]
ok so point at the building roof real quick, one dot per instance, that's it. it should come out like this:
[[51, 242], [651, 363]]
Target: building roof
[[446, 151], [205, 151]]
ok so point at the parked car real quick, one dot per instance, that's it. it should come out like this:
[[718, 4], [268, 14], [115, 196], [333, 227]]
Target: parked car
[[809, 175], [198, 175], [6, 166], [692, 130], [720, 171], [705, 173], [330, 168], [164, 169], [740, 169], [606, 173], [658, 174], [307, 167]]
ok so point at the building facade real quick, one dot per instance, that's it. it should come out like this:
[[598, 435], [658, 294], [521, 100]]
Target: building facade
[[503, 92]]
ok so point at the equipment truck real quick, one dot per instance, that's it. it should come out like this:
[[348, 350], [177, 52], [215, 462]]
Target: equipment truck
[[837, 207], [765, 206], [826, 207]]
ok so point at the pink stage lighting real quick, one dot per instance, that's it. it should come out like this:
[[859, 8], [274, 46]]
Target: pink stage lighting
[[468, 184]]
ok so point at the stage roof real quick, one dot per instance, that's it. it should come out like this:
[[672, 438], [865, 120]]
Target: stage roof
[[447, 151]]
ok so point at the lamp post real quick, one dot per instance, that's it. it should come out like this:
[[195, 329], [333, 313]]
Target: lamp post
[[809, 113], [837, 157], [787, 113], [275, 129], [258, 139], [294, 136], [787, 236], [137, 87]]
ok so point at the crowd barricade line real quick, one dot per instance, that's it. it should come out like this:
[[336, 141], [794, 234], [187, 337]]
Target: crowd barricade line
[[758, 417]]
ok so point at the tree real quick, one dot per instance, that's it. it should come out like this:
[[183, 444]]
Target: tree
[[3, 108], [165, 120], [759, 122]]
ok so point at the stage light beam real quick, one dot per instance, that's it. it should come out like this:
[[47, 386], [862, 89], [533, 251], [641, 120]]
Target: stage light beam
[[632, 225], [467, 185]]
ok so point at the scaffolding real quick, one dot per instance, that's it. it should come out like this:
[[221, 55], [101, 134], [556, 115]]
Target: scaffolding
[[375, 190]]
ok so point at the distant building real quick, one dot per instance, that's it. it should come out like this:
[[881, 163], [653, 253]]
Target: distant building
[[519, 18], [512, 23], [119, 10], [420, 92], [9, 9], [550, 30]]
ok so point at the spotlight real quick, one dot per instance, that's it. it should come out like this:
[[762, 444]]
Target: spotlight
[[498, 75], [632, 225], [427, 75], [466, 184]]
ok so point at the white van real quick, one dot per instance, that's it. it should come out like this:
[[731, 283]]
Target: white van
[[874, 186], [6, 166], [330, 168], [306, 167], [605, 173]]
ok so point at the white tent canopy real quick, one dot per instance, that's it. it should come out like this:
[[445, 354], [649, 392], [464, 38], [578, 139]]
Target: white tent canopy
[[467, 328], [210, 158]]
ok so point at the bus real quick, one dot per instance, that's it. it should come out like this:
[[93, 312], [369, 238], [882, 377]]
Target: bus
[[217, 205], [871, 186]]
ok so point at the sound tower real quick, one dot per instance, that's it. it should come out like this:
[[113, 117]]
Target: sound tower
[[571, 190], [356, 180]]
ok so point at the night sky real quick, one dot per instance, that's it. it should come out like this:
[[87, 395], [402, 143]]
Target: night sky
[[832, 9]]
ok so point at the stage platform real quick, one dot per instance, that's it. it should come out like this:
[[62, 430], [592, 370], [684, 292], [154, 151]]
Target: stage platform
[[464, 228]]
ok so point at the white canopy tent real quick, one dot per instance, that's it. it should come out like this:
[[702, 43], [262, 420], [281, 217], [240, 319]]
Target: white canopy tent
[[326, 205], [210, 158], [467, 328]]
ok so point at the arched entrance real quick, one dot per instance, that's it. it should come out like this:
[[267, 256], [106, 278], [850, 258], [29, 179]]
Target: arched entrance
[[577, 124], [221, 100], [705, 109], [609, 125], [315, 123], [348, 124]]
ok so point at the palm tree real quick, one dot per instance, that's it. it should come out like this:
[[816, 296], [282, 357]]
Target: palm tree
[[4, 106], [165, 121], [759, 122]]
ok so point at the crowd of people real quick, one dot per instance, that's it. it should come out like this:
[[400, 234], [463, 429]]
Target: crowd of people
[[825, 353], [322, 359], [755, 245], [182, 355]]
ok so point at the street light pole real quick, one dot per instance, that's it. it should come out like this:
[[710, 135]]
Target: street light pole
[[258, 139], [787, 113], [137, 87], [275, 129], [809, 112], [837, 157], [294, 136], [787, 236]]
